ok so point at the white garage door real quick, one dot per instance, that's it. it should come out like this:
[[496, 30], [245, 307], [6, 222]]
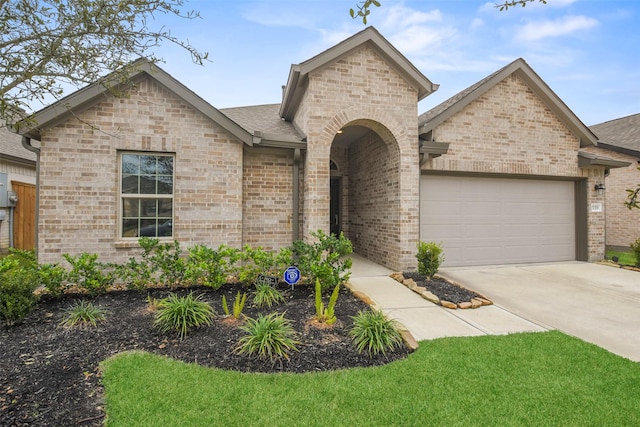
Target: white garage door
[[498, 220]]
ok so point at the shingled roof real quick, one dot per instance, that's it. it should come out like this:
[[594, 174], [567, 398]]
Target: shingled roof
[[11, 148], [622, 135], [263, 118]]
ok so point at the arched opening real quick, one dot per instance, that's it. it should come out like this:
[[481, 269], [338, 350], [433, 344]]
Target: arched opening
[[365, 189]]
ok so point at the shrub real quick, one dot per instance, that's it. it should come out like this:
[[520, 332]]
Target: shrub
[[429, 257], [374, 332], [136, 275], [18, 280], [635, 248], [182, 313], [256, 261], [326, 314], [266, 295], [326, 259], [271, 336], [54, 278], [238, 305], [89, 274], [83, 314], [209, 267], [167, 260]]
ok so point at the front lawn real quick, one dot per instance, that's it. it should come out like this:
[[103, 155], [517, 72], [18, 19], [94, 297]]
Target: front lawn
[[521, 379]]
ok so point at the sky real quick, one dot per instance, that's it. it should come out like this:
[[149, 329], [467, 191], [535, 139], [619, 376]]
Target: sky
[[587, 51]]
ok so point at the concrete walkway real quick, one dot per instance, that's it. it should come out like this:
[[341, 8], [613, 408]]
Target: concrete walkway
[[426, 320]]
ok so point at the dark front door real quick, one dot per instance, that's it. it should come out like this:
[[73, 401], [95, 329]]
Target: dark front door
[[334, 207]]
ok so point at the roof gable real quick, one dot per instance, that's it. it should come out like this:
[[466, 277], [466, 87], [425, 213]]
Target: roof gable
[[84, 98], [299, 73], [434, 117]]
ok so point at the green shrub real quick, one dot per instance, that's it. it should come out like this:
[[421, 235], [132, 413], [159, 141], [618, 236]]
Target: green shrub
[[167, 259], [182, 313], [208, 267], [374, 332], [18, 281], [266, 295], [429, 257], [271, 336], [89, 274], [256, 261], [136, 275], [635, 248], [325, 259], [238, 305], [83, 314], [326, 314], [54, 278]]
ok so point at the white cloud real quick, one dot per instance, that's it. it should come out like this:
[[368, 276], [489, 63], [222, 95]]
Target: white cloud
[[400, 17], [418, 39], [537, 30], [477, 23]]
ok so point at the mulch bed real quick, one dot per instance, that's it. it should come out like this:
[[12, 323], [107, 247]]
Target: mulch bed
[[443, 289], [49, 375]]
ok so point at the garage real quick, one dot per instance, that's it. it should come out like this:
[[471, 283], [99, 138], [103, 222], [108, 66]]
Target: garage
[[486, 220]]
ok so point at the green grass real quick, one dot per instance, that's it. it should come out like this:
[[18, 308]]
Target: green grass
[[626, 258], [522, 379]]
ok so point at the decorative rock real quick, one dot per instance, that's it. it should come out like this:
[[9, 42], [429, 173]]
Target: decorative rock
[[448, 304], [475, 303], [410, 283], [429, 297], [398, 277], [464, 305], [409, 340], [484, 301]]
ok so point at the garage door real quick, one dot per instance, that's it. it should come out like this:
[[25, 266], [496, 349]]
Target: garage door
[[498, 220]]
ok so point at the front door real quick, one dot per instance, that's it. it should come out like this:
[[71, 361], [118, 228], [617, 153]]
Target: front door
[[334, 207]]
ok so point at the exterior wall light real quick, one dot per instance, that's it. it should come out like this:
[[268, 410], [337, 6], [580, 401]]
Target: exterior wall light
[[600, 189]]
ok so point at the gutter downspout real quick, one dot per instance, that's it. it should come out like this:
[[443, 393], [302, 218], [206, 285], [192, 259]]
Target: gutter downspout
[[295, 221], [26, 143]]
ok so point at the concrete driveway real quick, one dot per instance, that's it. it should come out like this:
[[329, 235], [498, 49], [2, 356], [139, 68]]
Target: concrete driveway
[[597, 303]]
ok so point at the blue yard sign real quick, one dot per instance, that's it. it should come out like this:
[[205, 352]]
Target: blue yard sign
[[292, 275]]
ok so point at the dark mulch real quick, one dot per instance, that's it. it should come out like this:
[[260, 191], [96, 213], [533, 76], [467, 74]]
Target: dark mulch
[[443, 289], [49, 375]]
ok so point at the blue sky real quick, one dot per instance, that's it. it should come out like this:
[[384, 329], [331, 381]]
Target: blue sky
[[587, 51]]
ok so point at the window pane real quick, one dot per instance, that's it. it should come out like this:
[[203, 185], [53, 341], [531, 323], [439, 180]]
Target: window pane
[[165, 184], [130, 164], [165, 165], [149, 208], [129, 228], [131, 208], [148, 165], [130, 184], [165, 208], [148, 184]]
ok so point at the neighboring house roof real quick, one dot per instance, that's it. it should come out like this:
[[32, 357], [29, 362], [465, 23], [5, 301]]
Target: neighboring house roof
[[264, 122], [95, 92], [621, 135], [298, 75], [11, 148], [434, 117]]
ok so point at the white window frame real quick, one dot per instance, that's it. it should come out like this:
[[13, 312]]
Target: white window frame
[[122, 196]]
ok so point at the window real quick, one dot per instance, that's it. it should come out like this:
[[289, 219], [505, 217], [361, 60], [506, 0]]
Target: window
[[146, 193]]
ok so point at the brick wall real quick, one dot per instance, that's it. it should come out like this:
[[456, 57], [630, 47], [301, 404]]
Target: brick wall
[[622, 224], [79, 174], [268, 197], [362, 89], [509, 130]]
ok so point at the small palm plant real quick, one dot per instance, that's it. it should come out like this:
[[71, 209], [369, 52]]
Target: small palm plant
[[83, 314], [271, 336], [183, 313], [238, 305], [374, 332], [326, 314]]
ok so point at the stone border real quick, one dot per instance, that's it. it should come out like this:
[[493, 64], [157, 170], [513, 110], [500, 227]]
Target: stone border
[[429, 296]]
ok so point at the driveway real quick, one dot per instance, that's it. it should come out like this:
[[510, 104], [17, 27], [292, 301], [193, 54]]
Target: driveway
[[597, 303]]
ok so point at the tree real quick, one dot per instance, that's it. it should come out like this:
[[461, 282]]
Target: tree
[[46, 45], [633, 198], [363, 9]]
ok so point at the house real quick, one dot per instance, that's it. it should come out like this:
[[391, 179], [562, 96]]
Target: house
[[498, 173], [17, 193], [620, 139]]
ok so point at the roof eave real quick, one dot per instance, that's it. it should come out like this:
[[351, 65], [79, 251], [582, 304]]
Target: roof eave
[[590, 160]]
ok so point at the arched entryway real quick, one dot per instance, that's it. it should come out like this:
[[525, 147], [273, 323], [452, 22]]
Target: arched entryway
[[365, 190]]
